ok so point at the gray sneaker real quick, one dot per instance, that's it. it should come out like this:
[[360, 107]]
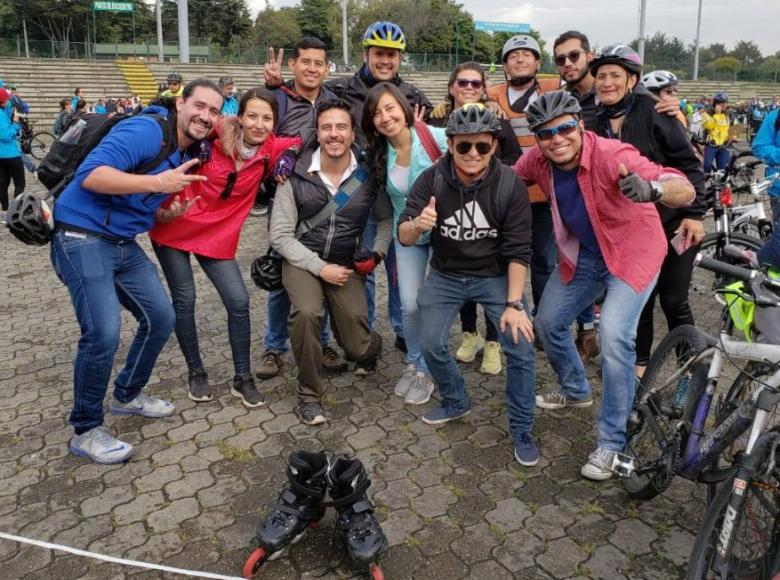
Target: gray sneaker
[[408, 377], [198, 382], [100, 446], [559, 401], [143, 405], [599, 465], [421, 390]]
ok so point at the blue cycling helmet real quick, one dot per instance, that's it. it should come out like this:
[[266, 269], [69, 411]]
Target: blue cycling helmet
[[720, 97], [384, 34]]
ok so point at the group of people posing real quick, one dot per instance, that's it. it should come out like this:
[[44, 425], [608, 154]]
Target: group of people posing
[[580, 188]]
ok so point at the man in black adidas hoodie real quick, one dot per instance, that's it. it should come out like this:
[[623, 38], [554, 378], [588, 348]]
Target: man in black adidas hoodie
[[481, 221]]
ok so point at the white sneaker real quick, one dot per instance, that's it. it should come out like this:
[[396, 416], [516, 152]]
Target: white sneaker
[[405, 382], [599, 465], [143, 405], [100, 446], [472, 344], [421, 390]]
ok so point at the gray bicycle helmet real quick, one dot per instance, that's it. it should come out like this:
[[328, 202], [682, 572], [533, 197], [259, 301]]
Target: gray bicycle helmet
[[619, 54], [472, 118], [659, 79], [520, 41], [30, 219], [549, 106], [175, 77]]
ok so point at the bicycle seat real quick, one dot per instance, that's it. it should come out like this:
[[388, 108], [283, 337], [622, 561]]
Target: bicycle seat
[[740, 149], [745, 161]]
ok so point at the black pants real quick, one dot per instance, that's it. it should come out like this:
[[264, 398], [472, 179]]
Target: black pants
[[11, 168], [468, 322], [672, 287]]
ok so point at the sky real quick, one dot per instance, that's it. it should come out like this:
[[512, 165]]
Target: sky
[[610, 21]]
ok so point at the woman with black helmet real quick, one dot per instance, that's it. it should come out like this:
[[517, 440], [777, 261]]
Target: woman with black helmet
[[627, 112], [715, 123]]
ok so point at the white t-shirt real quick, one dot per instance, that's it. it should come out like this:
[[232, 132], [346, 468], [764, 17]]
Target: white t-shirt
[[399, 177]]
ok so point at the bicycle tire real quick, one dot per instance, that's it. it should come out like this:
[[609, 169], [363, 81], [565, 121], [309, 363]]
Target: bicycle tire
[[40, 144], [764, 564], [656, 392]]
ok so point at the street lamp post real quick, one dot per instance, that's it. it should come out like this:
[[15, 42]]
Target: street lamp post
[[344, 38], [696, 45], [160, 52], [641, 43], [184, 32]]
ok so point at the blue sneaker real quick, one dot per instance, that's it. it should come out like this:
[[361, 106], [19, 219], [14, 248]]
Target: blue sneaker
[[439, 415], [526, 452]]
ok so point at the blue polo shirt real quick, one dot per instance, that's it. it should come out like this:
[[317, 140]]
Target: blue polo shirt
[[130, 144], [571, 207]]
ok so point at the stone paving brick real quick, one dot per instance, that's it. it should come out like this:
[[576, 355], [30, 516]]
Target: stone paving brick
[[675, 546], [189, 484], [436, 536], [169, 518], [607, 562], [518, 550], [561, 557], [221, 491], [398, 494], [476, 543], [120, 540], [107, 500], [549, 522], [633, 537], [399, 525], [433, 501], [509, 514], [138, 508], [85, 532], [157, 478]]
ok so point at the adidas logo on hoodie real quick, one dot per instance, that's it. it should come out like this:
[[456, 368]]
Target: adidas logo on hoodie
[[467, 223]]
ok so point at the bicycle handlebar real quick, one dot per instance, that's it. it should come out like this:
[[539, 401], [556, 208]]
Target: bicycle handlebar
[[729, 270]]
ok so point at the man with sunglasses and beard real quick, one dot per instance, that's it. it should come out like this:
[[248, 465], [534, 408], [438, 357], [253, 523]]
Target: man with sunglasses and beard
[[609, 237], [480, 219]]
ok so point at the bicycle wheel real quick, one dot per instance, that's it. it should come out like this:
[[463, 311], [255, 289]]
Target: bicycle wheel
[[707, 306], [662, 402], [40, 144], [756, 533]]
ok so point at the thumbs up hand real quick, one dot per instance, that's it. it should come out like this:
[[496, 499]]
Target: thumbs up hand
[[426, 221], [637, 189]]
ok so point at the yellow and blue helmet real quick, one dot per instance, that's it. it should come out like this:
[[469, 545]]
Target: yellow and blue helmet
[[384, 34]]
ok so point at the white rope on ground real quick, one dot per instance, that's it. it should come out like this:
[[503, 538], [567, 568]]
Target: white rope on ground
[[112, 559]]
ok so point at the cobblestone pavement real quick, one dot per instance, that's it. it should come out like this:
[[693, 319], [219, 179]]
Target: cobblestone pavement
[[453, 501]]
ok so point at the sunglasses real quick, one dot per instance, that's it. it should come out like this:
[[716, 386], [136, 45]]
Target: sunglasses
[[463, 83], [482, 147], [231, 182], [573, 56], [564, 129]]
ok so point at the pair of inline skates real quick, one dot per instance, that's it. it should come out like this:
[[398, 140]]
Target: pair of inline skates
[[301, 505]]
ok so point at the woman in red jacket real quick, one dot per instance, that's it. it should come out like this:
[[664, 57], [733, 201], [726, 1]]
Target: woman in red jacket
[[241, 158]]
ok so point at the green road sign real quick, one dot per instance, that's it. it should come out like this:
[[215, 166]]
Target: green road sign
[[109, 6]]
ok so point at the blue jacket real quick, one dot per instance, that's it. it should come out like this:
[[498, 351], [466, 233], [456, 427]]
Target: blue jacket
[[230, 107], [130, 144], [9, 132], [769, 254], [766, 146]]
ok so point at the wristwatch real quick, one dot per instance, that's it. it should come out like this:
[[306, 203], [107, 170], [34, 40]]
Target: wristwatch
[[658, 190], [517, 305]]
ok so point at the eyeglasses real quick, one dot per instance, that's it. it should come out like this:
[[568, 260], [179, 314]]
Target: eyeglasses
[[564, 129], [231, 182], [573, 56], [482, 147], [463, 83]]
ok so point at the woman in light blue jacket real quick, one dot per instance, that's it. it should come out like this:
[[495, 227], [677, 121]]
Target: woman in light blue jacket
[[766, 147], [399, 150], [11, 166]]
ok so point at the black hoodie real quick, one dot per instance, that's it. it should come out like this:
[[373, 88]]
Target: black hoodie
[[479, 228]]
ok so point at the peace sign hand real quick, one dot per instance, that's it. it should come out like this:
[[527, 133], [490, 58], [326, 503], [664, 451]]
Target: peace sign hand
[[273, 68]]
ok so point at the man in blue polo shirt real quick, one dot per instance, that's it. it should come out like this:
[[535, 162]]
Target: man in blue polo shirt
[[94, 253]]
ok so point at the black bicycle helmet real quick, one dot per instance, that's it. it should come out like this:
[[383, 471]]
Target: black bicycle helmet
[[549, 106], [720, 97], [266, 272], [30, 220], [621, 55], [175, 77], [472, 118]]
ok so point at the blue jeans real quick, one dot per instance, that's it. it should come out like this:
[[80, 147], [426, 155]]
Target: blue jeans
[[101, 276], [393, 298], [28, 163], [225, 275], [543, 248], [719, 155], [412, 262], [620, 312], [440, 300]]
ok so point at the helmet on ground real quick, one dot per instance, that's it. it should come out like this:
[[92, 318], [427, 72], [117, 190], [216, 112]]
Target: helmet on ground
[[384, 34], [175, 77], [30, 219], [550, 106], [720, 97], [266, 272], [523, 41], [619, 54], [659, 79], [472, 118]]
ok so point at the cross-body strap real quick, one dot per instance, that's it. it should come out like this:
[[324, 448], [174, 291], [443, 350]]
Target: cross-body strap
[[427, 140], [342, 197]]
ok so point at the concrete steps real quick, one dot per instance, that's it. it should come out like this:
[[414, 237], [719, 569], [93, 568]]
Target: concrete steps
[[139, 78]]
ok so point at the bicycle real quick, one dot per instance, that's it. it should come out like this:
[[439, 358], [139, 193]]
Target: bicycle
[[666, 434], [33, 143]]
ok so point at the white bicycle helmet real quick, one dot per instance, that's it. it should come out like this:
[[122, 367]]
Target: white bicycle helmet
[[659, 79]]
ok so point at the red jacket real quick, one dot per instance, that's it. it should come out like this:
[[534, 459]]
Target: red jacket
[[212, 226], [629, 234]]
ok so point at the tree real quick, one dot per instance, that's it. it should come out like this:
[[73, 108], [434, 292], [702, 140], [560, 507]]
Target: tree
[[217, 21], [747, 52], [278, 28], [320, 19], [727, 64]]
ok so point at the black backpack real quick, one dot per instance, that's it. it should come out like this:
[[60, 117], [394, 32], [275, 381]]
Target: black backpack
[[59, 166]]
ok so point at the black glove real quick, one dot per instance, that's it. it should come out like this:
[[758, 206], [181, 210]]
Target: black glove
[[638, 189], [365, 262]]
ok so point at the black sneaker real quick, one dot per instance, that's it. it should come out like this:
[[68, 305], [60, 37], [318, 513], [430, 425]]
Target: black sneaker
[[332, 361], [199, 386], [310, 412], [400, 343], [244, 388], [365, 368], [270, 365]]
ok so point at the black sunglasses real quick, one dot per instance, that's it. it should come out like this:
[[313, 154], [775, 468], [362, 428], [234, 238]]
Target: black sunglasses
[[573, 56], [475, 84], [231, 182], [564, 129], [482, 147]]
